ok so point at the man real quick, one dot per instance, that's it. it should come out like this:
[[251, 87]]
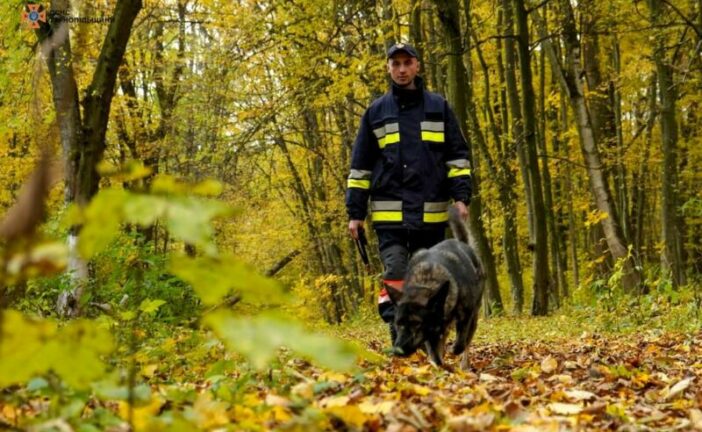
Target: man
[[410, 158]]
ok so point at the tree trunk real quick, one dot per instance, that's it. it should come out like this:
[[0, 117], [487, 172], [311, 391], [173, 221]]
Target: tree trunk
[[673, 259], [569, 79], [541, 272], [641, 175], [416, 37], [500, 170], [83, 141], [517, 130], [557, 281], [458, 90], [567, 192]]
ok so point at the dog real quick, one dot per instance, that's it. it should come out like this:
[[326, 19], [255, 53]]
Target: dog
[[443, 284]]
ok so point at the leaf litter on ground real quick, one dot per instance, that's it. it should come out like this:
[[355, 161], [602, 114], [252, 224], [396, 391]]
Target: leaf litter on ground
[[645, 381]]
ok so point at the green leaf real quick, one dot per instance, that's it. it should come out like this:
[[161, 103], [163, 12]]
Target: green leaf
[[127, 315], [151, 306], [83, 343], [208, 188], [110, 390], [166, 184], [144, 210], [73, 409], [189, 218], [21, 356], [258, 339], [102, 219], [37, 384], [31, 348], [129, 171], [212, 278]]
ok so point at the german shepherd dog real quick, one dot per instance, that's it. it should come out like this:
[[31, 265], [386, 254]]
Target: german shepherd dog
[[443, 284]]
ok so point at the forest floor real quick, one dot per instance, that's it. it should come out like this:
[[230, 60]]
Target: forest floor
[[644, 381], [526, 374]]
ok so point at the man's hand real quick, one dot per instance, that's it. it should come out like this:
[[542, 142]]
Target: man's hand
[[462, 210], [354, 226]]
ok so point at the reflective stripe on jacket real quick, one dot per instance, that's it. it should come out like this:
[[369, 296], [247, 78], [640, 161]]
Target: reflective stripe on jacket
[[410, 161]]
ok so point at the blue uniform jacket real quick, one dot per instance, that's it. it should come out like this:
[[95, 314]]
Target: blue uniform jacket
[[410, 158]]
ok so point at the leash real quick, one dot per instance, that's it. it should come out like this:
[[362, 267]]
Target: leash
[[361, 244]]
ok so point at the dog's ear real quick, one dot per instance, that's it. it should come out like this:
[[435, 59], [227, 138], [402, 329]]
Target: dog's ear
[[436, 303], [395, 294]]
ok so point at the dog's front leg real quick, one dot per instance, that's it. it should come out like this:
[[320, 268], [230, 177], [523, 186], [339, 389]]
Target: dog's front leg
[[465, 363], [441, 345], [462, 326], [433, 352], [465, 329]]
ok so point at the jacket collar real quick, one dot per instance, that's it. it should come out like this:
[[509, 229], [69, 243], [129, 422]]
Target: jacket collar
[[407, 97]]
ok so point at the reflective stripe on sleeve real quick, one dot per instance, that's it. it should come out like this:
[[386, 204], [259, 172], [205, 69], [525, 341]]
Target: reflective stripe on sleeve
[[387, 134], [389, 139], [433, 126], [435, 212], [458, 167], [435, 217], [359, 184], [456, 172], [458, 163], [433, 207], [437, 137], [360, 174]]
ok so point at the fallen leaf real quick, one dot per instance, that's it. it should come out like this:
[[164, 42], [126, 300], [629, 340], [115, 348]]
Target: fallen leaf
[[549, 364], [564, 408], [303, 389], [421, 390], [275, 400], [468, 423], [371, 407], [334, 401], [488, 378], [562, 378], [678, 388], [579, 395], [696, 418], [349, 414], [333, 376]]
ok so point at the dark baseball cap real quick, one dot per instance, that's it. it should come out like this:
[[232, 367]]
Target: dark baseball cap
[[402, 47]]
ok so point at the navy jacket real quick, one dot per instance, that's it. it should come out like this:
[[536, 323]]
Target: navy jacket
[[410, 158]]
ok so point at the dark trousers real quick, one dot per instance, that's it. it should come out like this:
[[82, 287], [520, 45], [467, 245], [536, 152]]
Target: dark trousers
[[396, 247]]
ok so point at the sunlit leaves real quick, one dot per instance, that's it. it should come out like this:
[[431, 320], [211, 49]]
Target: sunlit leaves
[[102, 220], [128, 171], [187, 218], [150, 306], [259, 338], [213, 278], [144, 210], [32, 348]]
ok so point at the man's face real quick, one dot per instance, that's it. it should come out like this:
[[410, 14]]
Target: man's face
[[403, 68]]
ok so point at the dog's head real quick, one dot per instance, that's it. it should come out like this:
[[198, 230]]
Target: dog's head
[[419, 316]]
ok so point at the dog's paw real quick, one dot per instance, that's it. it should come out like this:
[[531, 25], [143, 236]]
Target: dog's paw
[[458, 348], [465, 362], [438, 363]]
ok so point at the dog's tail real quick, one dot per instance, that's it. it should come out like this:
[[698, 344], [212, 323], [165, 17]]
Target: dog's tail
[[458, 227]]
